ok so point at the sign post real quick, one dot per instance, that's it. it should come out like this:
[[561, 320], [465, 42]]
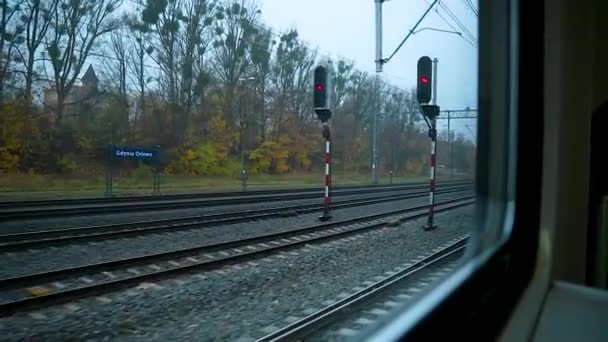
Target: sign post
[[157, 169], [135, 153], [109, 173]]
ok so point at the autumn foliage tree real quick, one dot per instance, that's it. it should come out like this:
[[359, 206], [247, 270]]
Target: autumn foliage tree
[[205, 80]]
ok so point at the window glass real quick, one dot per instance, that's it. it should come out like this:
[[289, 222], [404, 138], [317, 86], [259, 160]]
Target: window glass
[[231, 169]]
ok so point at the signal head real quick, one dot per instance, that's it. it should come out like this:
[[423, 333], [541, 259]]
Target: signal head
[[320, 93], [425, 77]]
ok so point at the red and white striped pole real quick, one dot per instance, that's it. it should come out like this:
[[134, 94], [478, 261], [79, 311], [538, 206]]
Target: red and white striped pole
[[327, 199], [433, 135]]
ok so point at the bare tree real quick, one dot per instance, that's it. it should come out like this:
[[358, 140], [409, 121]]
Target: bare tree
[[291, 74], [138, 50], [302, 92], [182, 34], [36, 18], [360, 98], [75, 27], [9, 39], [193, 44], [236, 28], [164, 16], [261, 56], [116, 66], [341, 82]]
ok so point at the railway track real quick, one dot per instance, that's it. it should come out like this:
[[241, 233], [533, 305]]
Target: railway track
[[101, 200], [52, 287], [39, 209], [41, 239], [391, 290]]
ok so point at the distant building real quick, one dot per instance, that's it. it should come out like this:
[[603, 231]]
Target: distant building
[[80, 98], [89, 80]]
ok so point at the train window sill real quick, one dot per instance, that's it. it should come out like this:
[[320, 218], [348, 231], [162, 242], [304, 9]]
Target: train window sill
[[573, 313]]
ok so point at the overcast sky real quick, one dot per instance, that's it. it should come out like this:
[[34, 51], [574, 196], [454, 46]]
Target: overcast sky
[[345, 28]]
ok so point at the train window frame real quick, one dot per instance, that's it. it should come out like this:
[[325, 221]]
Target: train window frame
[[478, 298]]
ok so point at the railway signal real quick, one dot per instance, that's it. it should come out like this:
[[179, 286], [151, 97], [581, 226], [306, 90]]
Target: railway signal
[[321, 94], [425, 80], [430, 113], [321, 98]]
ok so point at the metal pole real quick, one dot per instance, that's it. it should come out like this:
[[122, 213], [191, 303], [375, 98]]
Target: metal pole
[[379, 63], [155, 182], [433, 135], [451, 149], [327, 198], [379, 60], [109, 179], [243, 143], [108, 170], [452, 154], [451, 137], [157, 166], [244, 135], [109, 174], [243, 170], [434, 98], [375, 150]]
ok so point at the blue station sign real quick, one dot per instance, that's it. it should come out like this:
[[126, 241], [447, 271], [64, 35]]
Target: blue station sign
[[119, 152]]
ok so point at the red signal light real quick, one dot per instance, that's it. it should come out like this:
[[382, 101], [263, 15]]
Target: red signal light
[[424, 80], [320, 87]]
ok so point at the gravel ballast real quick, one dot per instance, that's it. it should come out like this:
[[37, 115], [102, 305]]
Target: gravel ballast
[[46, 259], [42, 224], [244, 301], [372, 313]]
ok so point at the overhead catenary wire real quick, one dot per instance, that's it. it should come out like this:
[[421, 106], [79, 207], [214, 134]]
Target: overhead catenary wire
[[457, 21], [445, 7], [463, 36], [411, 31], [471, 132], [466, 36], [471, 6]]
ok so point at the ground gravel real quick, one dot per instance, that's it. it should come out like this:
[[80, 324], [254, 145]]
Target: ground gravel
[[367, 317], [238, 303], [42, 224], [13, 264]]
